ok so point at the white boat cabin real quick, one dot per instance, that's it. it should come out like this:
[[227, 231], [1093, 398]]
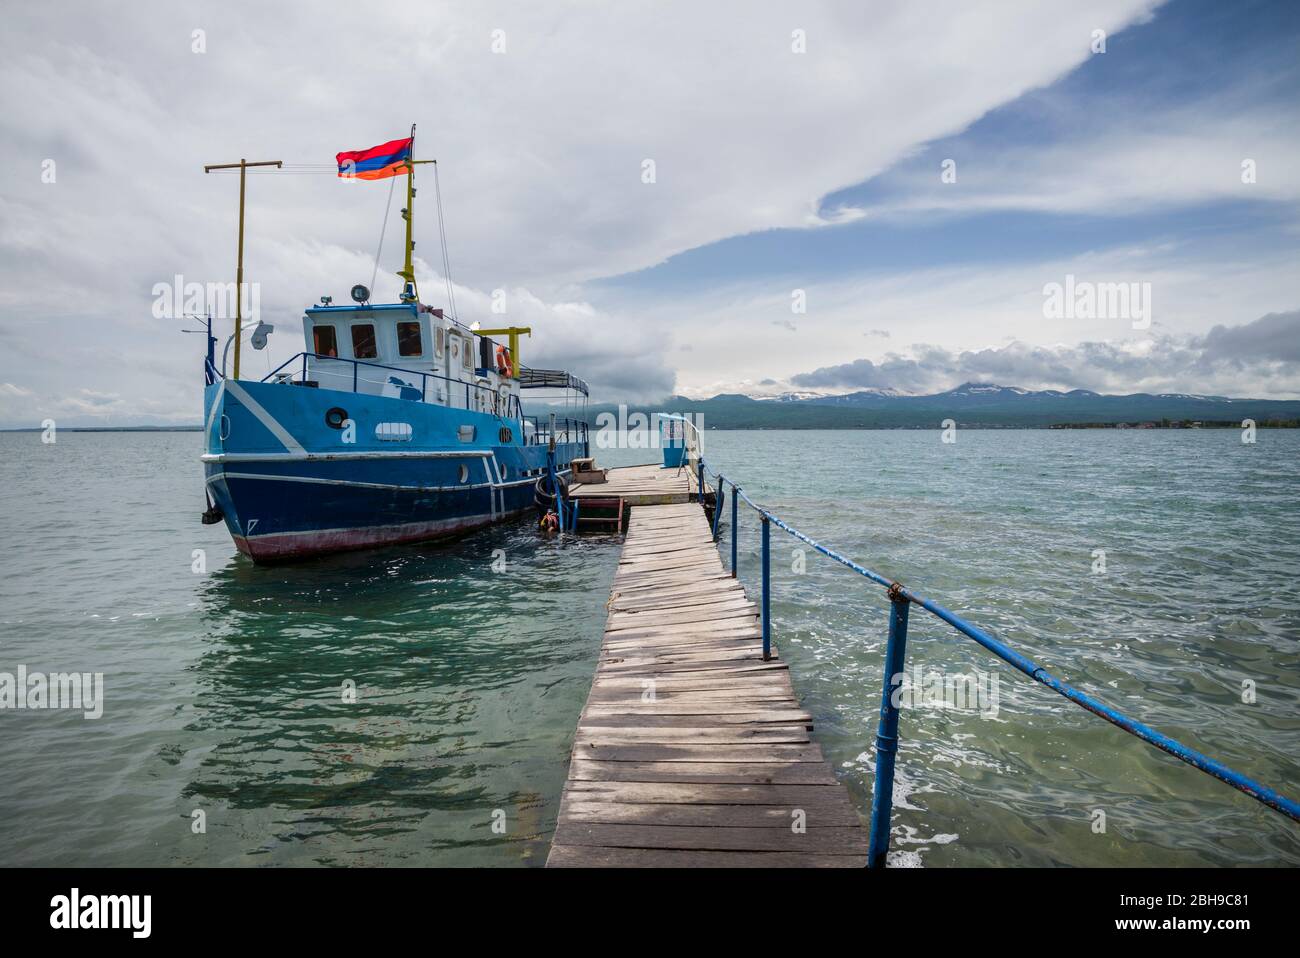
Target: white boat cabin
[[406, 351]]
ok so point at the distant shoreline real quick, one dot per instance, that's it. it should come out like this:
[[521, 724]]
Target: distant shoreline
[[1232, 424], [195, 428]]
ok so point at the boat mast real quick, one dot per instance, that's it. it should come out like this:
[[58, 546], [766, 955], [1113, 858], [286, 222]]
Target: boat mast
[[410, 292], [243, 166]]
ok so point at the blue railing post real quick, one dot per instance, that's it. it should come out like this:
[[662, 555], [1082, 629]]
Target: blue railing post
[[717, 506], [560, 507], [882, 801], [767, 588], [735, 505], [700, 474]]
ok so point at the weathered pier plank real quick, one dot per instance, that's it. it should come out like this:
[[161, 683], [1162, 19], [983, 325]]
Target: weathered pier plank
[[692, 750]]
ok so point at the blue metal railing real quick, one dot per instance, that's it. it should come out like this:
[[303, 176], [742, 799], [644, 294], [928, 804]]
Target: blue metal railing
[[900, 599], [491, 400], [566, 429]]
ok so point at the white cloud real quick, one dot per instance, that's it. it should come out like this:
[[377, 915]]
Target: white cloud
[[1228, 361], [540, 149], [966, 309]]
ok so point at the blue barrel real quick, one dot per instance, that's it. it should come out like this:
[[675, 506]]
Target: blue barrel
[[672, 439]]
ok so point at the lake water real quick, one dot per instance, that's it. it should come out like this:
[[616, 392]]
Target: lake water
[[222, 687]]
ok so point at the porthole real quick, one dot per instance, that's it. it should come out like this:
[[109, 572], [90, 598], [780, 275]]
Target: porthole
[[336, 417], [464, 473], [225, 427], [505, 473]]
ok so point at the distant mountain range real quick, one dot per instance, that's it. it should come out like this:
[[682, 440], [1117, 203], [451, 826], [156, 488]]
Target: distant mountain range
[[970, 404], [980, 405]]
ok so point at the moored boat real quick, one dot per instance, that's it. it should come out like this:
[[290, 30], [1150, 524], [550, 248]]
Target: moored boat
[[396, 423]]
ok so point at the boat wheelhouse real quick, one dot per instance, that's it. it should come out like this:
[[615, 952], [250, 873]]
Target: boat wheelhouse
[[405, 351]]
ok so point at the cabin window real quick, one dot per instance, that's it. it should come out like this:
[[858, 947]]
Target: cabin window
[[324, 341], [467, 352], [439, 341], [363, 341], [408, 339]]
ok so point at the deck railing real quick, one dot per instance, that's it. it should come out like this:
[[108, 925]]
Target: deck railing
[[478, 398], [564, 429], [901, 599]]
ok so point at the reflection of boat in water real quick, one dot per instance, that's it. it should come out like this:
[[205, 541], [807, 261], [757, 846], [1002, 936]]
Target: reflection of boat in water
[[398, 423], [418, 710]]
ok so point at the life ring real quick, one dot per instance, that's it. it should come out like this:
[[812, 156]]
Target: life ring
[[504, 365]]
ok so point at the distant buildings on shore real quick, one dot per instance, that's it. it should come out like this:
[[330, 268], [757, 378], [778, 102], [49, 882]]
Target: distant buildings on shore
[[1179, 424]]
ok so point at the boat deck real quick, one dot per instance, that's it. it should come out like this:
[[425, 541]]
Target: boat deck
[[692, 750], [642, 486]]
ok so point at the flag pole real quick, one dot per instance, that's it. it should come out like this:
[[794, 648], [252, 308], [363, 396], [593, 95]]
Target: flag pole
[[243, 166]]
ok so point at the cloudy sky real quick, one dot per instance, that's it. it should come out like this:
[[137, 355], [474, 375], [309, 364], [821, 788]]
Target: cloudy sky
[[843, 195]]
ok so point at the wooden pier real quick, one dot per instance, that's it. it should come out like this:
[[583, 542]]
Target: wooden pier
[[692, 750], [641, 486]]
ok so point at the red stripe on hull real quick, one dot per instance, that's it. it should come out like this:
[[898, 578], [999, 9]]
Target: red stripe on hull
[[285, 546]]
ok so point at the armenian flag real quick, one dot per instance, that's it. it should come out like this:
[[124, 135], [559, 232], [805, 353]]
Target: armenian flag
[[378, 162]]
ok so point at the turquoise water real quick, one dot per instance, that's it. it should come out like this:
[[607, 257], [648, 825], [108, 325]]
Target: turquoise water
[[224, 687]]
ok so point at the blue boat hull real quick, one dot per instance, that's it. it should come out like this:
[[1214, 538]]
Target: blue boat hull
[[291, 485]]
